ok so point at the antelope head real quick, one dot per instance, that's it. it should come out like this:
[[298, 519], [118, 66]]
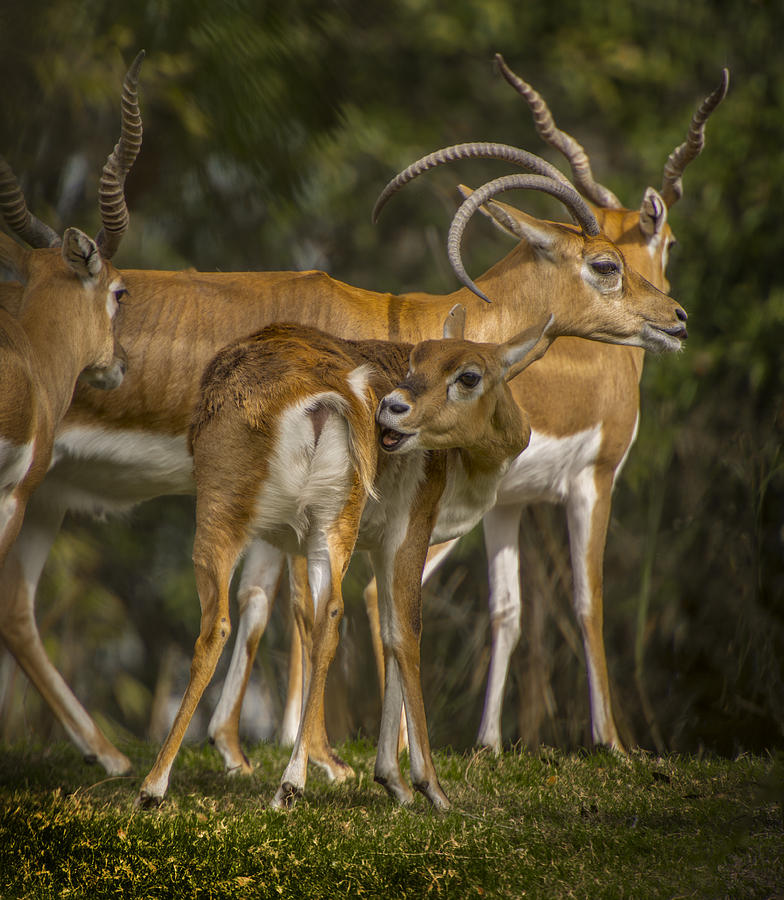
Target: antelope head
[[615, 302], [646, 227], [456, 395], [76, 265]]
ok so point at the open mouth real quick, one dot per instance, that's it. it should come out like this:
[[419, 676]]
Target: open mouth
[[677, 331], [391, 440]]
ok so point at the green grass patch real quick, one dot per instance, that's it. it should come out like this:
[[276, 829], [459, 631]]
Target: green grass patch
[[542, 824]]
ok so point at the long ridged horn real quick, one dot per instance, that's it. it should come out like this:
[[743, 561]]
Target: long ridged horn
[[114, 211], [479, 150], [672, 187], [18, 217], [561, 141], [563, 192]]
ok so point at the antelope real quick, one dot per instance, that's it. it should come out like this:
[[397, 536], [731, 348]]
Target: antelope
[[583, 404], [284, 448], [120, 448], [61, 326]]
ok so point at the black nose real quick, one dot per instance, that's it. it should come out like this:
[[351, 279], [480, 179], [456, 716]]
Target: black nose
[[394, 406], [681, 313]]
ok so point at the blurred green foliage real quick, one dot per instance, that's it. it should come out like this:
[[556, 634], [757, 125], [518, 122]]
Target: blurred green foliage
[[270, 128]]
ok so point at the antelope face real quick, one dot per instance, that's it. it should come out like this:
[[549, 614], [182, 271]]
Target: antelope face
[[102, 289], [629, 309], [109, 368], [447, 399]]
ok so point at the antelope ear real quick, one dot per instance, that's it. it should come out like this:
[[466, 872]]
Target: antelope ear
[[454, 323], [653, 214], [526, 347], [13, 259], [81, 253]]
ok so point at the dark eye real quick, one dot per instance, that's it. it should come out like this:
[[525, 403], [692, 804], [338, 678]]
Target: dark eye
[[605, 267], [119, 294], [469, 379]]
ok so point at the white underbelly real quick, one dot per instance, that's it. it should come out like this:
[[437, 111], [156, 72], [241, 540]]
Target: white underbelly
[[97, 469], [547, 467]]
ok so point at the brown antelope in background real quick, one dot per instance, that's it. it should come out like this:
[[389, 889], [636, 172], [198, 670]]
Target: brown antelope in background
[[583, 404], [60, 326], [119, 448], [284, 448]]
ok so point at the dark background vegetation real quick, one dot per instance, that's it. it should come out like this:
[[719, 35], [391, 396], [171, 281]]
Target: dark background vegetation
[[270, 128]]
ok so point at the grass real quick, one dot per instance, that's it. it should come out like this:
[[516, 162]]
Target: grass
[[544, 824]]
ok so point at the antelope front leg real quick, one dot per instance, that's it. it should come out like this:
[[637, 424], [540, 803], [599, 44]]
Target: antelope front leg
[[501, 529], [261, 573], [435, 556], [588, 514], [401, 610], [370, 596], [212, 583]]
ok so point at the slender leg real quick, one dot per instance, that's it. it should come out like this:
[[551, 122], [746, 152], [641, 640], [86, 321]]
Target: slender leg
[[321, 752], [18, 582], [435, 556], [370, 596], [261, 573], [398, 565], [214, 558], [501, 529], [588, 515], [299, 593], [328, 559], [387, 771], [400, 631]]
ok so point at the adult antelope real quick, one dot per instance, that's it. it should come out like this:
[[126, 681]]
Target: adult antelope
[[60, 326], [284, 448], [583, 404], [117, 449]]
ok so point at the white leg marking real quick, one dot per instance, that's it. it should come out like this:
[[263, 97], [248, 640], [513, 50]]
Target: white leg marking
[[501, 530]]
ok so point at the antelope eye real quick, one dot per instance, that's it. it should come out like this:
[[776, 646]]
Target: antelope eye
[[120, 293], [605, 267], [469, 379]]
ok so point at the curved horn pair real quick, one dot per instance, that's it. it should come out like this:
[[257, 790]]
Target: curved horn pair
[[577, 158], [547, 179], [114, 212], [563, 192]]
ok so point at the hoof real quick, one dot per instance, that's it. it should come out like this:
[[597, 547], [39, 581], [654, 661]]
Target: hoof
[[243, 767], [286, 796], [118, 764], [147, 801], [333, 766], [398, 791], [434, 794]]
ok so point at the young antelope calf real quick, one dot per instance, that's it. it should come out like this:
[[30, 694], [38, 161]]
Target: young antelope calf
[[285, 447]]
